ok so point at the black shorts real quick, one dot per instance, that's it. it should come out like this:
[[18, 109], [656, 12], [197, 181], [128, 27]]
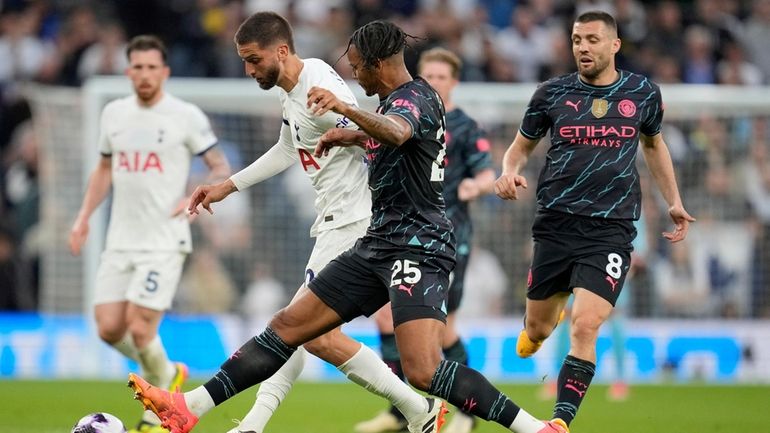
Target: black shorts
[[355, 284], [457, 283], [576, 251]]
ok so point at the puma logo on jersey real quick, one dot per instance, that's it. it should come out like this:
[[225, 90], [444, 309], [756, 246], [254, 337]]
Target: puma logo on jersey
[[612, 282], [574, 104], [138, 161]]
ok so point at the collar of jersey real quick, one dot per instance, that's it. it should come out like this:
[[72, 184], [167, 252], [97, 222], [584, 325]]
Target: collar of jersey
[[608, 86]]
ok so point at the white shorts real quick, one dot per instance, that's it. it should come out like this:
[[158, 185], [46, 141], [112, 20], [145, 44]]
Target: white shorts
[[147, 279], [331, 243]]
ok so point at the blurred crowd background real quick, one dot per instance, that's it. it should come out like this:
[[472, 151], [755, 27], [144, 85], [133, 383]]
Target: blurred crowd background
[[723, 164]]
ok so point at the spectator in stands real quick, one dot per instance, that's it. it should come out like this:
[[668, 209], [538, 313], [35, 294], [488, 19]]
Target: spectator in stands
[[698, 64], [665, 35], [667, 70], [22, 53], [757, 36], [77, 34], [107, 56], [524, 44], [632, 20], [477, 34], [735, 69], [722, 27]]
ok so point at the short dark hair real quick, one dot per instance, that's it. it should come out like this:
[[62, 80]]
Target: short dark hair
[[378, 40], [442, 55], [146, 43], [265, 28], [602, 16]]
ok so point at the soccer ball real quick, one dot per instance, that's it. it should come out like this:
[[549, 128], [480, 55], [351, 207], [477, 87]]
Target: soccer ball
[[99, 422]]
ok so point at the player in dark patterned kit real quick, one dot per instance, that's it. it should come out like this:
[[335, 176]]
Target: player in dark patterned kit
[[408, 252], [588, 196], [468, 175], [405, 257]]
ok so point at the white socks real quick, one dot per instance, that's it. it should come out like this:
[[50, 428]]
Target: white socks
[[526, 423], [367, 369], [127, 347], [272, 392], [198, 401], [157, 368]]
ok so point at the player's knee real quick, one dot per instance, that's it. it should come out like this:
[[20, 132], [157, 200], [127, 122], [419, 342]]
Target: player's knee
[[585, 327], [539, 330], [111, 335], [419, 373], [284, 324], [321, 347], [142, 333]]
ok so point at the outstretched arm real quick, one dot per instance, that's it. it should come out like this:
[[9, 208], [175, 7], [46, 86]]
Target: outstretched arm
[[98, 187], [659, 162], [388, 130], [514, 160], [277, 159]]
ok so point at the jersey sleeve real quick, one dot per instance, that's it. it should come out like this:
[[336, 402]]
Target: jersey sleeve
[[201, 137], [284, 139], [652, 119], [536, 121], [105, 147], [478, 156], [406, 106], [277, 159]]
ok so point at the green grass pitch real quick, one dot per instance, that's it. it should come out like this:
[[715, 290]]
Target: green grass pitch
[[54, 406]]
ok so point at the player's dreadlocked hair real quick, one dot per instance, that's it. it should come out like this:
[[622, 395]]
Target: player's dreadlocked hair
[[378, 40]]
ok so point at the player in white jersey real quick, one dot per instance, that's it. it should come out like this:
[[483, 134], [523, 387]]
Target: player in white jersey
[[265, 43], [147, 141]]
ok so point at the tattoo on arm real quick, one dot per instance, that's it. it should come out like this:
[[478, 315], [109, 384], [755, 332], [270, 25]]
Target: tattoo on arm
[[381, 128]]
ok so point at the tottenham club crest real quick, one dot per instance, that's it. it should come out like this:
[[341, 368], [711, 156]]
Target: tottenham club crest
[[599, 108]]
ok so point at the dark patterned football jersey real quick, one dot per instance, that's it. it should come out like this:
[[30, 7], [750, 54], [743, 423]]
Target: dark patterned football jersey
[[590, 168], [407, 181], [467, 154]]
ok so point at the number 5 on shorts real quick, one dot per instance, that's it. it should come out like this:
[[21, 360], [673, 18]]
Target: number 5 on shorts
[[151, 283]]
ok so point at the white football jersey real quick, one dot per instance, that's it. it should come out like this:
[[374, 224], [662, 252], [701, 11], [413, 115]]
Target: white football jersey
[[341, 178], [151, 150]]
